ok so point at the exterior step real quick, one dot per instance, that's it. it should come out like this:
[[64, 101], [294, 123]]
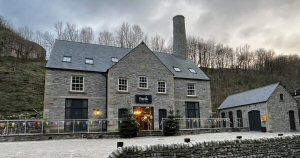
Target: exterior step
[[150, 133]]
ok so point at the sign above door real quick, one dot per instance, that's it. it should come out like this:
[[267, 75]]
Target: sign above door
[[143, 99]]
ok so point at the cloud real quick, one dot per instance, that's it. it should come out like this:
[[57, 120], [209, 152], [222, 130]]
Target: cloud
[[272, 24]]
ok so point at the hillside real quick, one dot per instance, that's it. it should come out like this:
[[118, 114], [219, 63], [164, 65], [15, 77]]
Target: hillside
[[22, 83]]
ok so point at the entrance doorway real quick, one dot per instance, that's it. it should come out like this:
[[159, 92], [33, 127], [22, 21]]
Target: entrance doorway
[[77, 111], [292, 120], [254, 120], [162, 113], [144, 116]]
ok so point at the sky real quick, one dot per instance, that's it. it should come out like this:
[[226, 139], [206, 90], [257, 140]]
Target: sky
[[269, 24]]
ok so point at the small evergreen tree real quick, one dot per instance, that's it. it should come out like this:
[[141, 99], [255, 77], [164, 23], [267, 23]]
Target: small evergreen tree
[[171, 126], [128, 126]]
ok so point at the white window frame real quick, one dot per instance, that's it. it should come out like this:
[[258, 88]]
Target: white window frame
[[143, 82], [192, 70], [67, 59], [158, 87], [123, 85], [189, 89], [71, 84], [177, 69], [114, 59], [89, 61]]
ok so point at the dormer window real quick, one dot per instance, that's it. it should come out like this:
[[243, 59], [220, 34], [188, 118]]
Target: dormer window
[[89, 61], [192, 70], [176, 69], [67, 59], [114, 59]]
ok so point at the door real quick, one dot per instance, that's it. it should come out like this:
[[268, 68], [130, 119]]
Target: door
[[144, 116], [77, 111], [239, 116], [292, 120], [231, 118], [192, 113], [223, 116], [254, 120], [121, 114], [162, 114]]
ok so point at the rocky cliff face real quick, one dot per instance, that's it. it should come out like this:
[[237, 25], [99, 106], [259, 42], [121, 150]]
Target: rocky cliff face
[[12, 44]]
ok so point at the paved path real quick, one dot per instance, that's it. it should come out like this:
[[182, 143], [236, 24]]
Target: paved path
[[90, 148]]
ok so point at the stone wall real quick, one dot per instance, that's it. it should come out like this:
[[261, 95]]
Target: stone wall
[[278, 110], [203, 96], [141, 61], [271, 147], [57, 89]]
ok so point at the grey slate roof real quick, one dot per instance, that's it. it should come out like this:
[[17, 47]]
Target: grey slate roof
[[102, 59], [257, 95]]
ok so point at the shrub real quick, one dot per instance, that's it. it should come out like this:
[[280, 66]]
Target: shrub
[[171, 126], [128, 126]]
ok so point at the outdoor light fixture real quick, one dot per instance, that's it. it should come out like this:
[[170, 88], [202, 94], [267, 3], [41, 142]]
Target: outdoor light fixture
[[97, 112], [239, 137], [280, 134], [120, 144]]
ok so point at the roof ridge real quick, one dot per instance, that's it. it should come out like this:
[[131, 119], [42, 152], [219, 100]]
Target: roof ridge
[[254, 89]]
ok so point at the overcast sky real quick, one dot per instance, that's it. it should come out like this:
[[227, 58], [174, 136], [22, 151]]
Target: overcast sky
[[271, 24]]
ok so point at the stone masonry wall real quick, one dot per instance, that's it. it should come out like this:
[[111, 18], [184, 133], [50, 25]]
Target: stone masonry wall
[[57, 89], [141, 61], [278, 110], [202, 96], [271, 147]]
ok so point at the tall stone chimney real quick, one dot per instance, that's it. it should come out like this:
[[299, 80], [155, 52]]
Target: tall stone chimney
[[179, 37]]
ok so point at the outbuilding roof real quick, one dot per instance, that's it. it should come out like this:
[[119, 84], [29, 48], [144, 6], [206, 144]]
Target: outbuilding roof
[[253, 96], [102, 59]]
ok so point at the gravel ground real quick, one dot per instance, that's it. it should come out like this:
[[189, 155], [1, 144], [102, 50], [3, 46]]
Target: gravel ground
[[90, 148]]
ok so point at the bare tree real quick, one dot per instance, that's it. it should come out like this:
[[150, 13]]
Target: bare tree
[[157, 43], [71, 32], [123, 34], [136, 36], [59, 30], [26, 33], [106, 38], [86, 35]]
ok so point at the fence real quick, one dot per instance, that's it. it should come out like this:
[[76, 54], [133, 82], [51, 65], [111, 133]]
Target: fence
[[201, 123], [17, 127]]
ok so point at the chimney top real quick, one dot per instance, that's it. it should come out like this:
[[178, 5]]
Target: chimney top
[[179, 37]]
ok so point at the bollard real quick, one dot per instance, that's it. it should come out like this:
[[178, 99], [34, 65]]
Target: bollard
[[239, 137], [187, 140], [120, 144], [280, 134]]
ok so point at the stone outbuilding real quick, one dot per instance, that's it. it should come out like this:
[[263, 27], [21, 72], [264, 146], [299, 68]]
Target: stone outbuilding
[[270, 108], [89, 81]]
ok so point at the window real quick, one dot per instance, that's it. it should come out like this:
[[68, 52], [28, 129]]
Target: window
[[89, 61], [114, 59], [143, 82], [67, 59], [176, 69], [77, 83], [191, 89], [192, 70], [281, 96], [161, 87], [123, 84]]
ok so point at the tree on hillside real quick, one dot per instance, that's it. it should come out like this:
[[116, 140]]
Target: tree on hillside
[[86, 35], [106, 38]]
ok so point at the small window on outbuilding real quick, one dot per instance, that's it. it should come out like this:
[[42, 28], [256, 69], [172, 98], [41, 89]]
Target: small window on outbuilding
[[281, 96], [67, 59], [176, 69], [89, 61], [114, 59], [192, 70]]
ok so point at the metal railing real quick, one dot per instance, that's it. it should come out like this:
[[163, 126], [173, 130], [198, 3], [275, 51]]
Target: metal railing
[[208, 123], [17, 127]]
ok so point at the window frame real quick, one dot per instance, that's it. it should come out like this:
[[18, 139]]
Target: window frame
[[113, 58], [281, 97], [89, 59], [71, 84], [158, 87], [139, 82], [178, 69], [194, 89], [121, 78], [192, 70], [67, 57]]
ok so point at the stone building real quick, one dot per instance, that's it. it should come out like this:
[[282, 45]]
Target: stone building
[[270, 108], [296, 95], [88, 81]]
